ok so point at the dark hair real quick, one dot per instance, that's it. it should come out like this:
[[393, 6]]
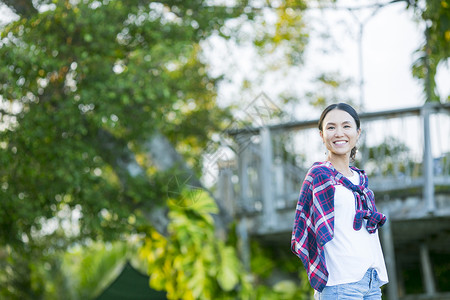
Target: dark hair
[[347, 108]]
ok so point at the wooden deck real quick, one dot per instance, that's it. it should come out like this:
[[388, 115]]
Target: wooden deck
[[406, 153]]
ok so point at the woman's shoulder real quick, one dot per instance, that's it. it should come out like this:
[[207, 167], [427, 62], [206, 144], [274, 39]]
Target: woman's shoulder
[[364, 179], [320, 168], [360, 171]]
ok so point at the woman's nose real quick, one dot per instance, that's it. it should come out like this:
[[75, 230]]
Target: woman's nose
[[338, 132]]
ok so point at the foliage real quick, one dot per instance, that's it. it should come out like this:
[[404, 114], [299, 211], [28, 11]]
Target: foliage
[[191, 263], [442, 271], [80, 273], [268, 260], [32, 275], [85, 83], [73, 74], [390, 158], [331, 88], [67, 78], [435, 49], [286, 32], [91, 268]]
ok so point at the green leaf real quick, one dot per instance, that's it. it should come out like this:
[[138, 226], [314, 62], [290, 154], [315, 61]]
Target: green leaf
[[227, 275]]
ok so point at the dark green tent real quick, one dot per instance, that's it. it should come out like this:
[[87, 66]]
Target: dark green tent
[[131, 285]]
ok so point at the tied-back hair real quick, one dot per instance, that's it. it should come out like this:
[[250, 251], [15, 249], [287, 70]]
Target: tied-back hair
[[351, 111]]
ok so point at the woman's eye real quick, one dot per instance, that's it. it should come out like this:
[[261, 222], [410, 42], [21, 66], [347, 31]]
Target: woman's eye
[[330, 128]]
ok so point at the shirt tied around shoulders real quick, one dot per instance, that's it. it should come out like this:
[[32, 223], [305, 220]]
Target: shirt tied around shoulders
[[314, 217]]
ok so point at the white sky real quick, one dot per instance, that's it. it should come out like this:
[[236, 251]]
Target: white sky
[[390, 39]]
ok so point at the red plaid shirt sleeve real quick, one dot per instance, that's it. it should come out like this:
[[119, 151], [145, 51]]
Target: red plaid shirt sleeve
[[314, 224]]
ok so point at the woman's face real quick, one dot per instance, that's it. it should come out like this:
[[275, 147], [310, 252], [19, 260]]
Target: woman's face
[[339, 132]]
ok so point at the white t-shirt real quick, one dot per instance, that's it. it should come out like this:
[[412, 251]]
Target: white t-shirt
[[351, 253]]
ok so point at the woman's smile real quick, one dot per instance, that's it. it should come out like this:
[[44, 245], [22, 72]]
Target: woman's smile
[[339, 133]]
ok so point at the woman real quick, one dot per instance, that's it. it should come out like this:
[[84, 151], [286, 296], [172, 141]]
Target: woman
[[336, 221]]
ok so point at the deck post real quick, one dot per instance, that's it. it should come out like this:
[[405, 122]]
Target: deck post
[[243, 244], [427, 271], [266, 178], [428, 189], [244, 206], [225, 190], [389, 255], [243, 161]]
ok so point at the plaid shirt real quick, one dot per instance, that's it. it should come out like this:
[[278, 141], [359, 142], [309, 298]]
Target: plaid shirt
[[314, 217]]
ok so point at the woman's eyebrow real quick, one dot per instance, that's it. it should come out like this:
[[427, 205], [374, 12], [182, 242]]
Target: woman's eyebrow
[[332, 123]]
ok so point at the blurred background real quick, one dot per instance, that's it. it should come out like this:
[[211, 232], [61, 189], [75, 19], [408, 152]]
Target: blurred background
[[156, 149]]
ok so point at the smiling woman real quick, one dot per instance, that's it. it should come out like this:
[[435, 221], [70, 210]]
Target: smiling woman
[[343, 261], [342, 130]]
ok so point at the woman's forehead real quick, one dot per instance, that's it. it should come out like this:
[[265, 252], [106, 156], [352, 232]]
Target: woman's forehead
[[338, 116]]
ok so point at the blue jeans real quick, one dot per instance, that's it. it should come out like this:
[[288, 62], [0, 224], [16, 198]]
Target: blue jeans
[[367, 288]]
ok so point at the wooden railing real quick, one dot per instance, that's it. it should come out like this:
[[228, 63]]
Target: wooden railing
[[406, 153]]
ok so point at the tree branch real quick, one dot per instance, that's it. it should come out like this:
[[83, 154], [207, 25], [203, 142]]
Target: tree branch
[[123, 161], [23, 8], [165, 157]]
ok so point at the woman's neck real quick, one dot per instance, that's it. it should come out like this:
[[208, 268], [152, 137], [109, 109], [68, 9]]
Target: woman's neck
[[341, 164]]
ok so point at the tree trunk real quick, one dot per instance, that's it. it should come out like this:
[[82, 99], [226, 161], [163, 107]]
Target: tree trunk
[[165, 158], [122, 159]]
